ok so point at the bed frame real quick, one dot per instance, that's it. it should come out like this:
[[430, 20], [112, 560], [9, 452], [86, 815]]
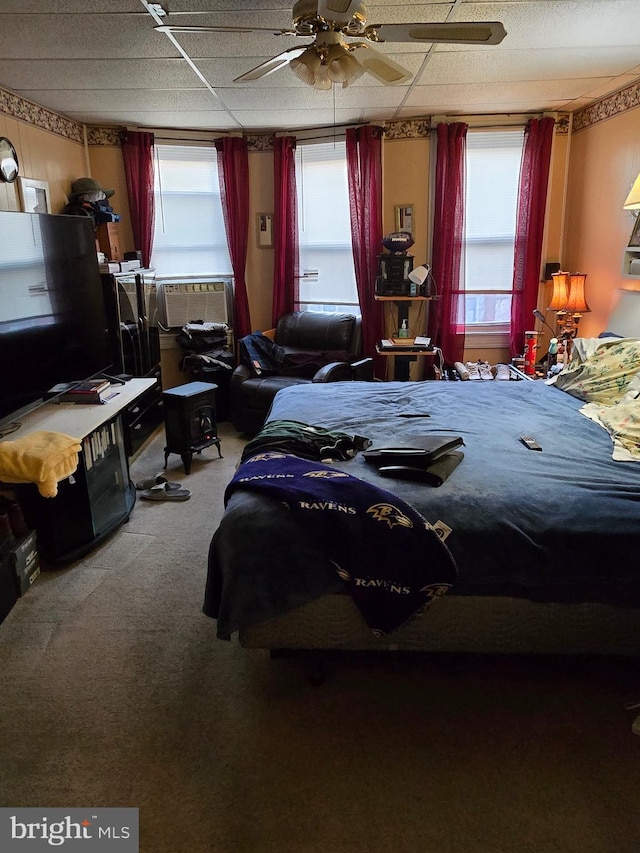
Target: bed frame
[[473, 624]]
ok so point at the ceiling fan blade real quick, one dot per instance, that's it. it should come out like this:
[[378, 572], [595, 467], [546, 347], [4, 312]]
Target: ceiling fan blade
[[380, 66], [179, 28], [271, 65], [464, 32], [340, 11]]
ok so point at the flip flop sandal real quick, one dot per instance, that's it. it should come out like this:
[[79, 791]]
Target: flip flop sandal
[[158, 480], [162, 492]]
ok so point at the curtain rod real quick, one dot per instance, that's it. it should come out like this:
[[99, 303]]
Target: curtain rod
[[491, 122]]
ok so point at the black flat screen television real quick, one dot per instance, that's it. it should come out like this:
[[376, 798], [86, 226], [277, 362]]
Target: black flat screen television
[[53, 323]]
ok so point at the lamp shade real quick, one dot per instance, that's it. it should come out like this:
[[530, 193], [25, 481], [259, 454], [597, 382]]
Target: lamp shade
[[633, 199], [419, 274], [560, 291], [576, 303], [342, 66], [306, 66]]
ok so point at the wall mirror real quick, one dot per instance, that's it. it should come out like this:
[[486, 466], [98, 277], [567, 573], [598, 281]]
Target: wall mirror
[[8, 161]]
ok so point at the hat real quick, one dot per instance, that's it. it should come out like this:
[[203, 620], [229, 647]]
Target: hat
[[88, 185]]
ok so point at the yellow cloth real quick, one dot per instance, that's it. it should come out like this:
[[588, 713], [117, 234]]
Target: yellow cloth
[[43, 458]]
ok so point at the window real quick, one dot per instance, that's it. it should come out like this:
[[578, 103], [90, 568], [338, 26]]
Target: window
[[189, 235], [327, 277], [492, 176]]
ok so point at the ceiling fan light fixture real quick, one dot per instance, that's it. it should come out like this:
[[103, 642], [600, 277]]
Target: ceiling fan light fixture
[[322, 79], [306, 66], [342, 66]]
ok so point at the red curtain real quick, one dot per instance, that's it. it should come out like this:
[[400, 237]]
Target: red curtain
[[447, 315], [233, 172], [137, 153], [364, 171], [285, 228], [532, 200]]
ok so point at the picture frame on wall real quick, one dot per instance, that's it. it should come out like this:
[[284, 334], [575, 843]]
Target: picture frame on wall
[[404, 217], [34, 195], [634, 240], [264, 230]]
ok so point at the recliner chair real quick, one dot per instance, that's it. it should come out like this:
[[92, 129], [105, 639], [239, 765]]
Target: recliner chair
[[318, 347]]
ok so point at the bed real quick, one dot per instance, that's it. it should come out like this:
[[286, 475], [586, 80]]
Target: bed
[[546, 543]]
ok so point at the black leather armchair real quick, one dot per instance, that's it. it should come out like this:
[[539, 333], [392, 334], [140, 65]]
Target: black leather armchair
[[318, 347]]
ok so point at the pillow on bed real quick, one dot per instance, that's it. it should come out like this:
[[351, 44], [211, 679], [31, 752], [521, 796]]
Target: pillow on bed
[[601, 369]]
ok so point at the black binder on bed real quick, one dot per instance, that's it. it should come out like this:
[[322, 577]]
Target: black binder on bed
[[426, 459], [418, 450]]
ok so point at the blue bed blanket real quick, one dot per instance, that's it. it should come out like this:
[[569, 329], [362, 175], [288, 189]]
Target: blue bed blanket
[[392, 562], [560, 525]]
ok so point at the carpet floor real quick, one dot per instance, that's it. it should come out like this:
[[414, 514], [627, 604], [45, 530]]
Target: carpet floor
[[116, 692]]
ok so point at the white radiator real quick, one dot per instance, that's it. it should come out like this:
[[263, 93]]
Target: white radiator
[[187, 302]]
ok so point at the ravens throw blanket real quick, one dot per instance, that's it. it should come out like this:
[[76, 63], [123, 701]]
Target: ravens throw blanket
[[392, 561]]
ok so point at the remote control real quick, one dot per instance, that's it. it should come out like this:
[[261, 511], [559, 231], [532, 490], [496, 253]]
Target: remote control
[[530, 442]]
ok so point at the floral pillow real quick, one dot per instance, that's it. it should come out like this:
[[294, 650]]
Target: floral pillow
[[604, 375]]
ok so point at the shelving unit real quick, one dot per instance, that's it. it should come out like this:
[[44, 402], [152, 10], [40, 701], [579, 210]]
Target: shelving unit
[[99, 496]]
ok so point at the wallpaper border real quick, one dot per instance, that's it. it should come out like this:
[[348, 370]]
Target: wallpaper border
[[611, 105], [16, 107]]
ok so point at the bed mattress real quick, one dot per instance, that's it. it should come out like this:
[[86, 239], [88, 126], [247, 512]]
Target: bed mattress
[[558, 526]]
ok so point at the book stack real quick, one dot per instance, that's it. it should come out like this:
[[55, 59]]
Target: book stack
[[89, 391]]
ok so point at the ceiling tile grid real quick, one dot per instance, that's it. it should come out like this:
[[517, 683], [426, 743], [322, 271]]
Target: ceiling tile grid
[[102, 62]]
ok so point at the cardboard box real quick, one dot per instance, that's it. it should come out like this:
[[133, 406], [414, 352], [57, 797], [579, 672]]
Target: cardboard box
[[25, 562], [8, 591]]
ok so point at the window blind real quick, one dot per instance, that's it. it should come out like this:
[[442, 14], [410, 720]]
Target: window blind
[[189, 234]]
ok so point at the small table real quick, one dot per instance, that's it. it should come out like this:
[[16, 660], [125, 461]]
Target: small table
[[190, 420], [403, 360]]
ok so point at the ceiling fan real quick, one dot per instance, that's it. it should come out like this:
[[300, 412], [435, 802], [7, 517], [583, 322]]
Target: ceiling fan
[[331, 58]]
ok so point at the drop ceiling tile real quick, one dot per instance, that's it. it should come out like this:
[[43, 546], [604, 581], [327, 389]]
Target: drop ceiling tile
[[289, 119], [177, 6], [540, 64], [200, 119], [97, 74], [305, 98], [499, 94], [71, 7], [384, 96], [131, 99], [374, 114], [611, 86], [560, 23], [84, 36]]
